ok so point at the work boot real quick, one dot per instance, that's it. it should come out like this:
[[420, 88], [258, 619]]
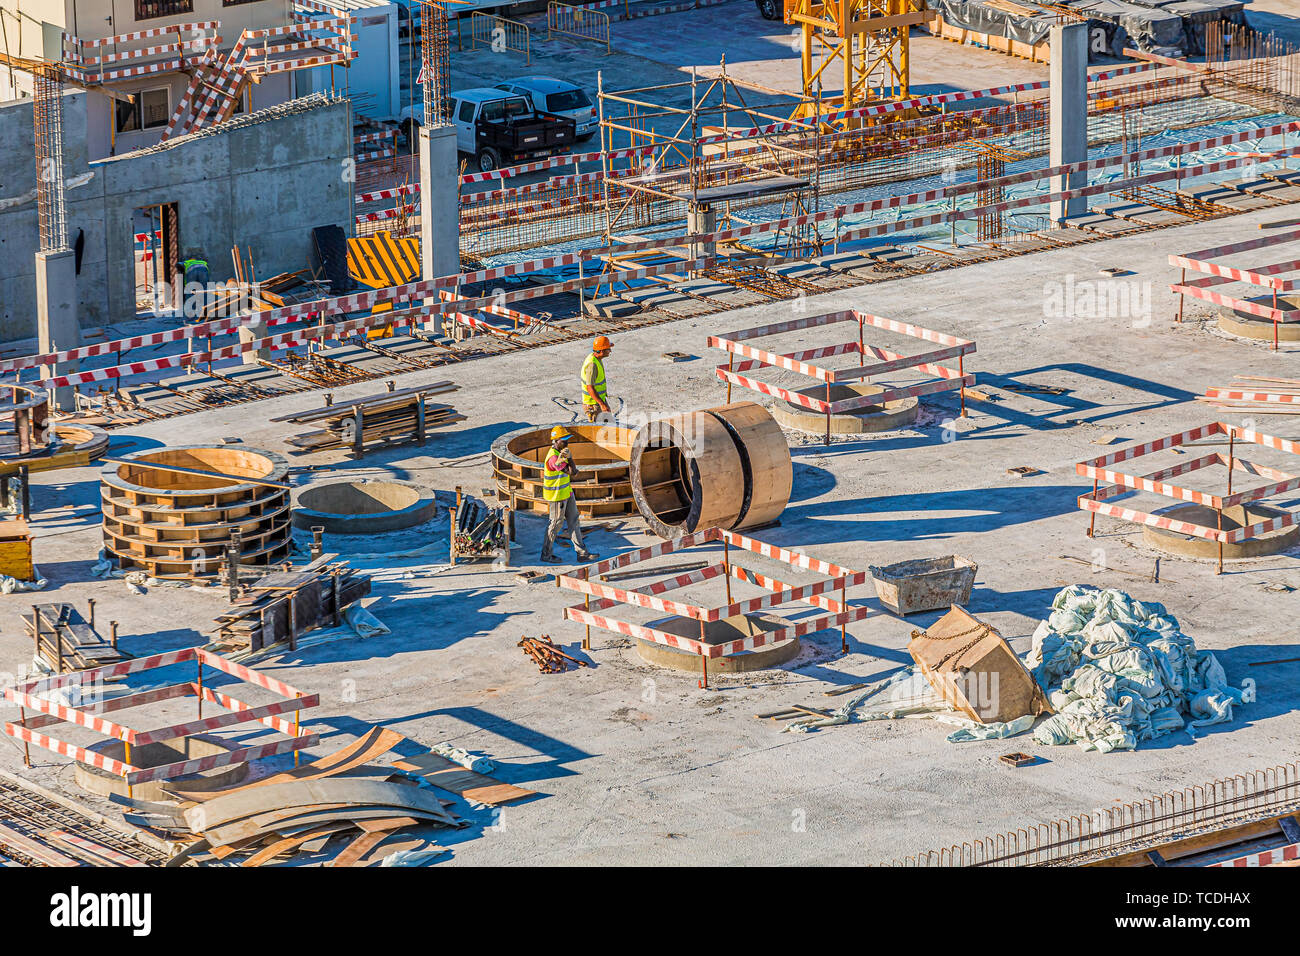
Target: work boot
[[588, 556], [550, 559]]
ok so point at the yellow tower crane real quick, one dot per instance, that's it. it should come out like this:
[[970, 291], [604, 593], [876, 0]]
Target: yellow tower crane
[[865, 42]]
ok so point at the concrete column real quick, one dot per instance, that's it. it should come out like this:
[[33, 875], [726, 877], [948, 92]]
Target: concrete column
[[56, 315], [251, 333], [702, 220], [439, 205], [1069, 113]]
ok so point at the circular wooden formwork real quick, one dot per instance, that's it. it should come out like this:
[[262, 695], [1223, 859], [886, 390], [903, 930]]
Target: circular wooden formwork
[[24, 422], [602, 454], [728, 467], [177, 526], [72, 446]]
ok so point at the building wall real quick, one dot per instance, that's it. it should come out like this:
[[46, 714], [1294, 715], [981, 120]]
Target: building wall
[[96, 19], [260, 181]]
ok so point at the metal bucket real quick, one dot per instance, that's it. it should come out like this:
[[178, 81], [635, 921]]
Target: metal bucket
[[927, 584]]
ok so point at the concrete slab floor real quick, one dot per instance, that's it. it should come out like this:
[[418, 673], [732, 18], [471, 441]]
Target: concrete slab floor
[[637, 764]]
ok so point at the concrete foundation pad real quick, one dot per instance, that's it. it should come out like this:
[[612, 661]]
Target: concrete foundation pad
[[159, 754], [719, 632], [1236, 322], [871, 418], [1189, 546], [363, 507]]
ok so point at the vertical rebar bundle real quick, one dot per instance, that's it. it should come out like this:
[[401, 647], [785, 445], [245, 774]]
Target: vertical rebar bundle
[[435, 58], [47, 114]]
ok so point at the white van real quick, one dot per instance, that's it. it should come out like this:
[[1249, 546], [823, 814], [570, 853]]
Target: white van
[[549, 95]]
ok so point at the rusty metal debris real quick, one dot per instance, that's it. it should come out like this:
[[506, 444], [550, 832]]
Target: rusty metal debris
[[550, 659]]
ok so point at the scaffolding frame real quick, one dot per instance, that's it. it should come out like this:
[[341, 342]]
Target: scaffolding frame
[[755, 163]]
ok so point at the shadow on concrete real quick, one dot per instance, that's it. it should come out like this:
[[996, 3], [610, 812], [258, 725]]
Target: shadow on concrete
[[1067, 407], [810, 481], [906, 518]]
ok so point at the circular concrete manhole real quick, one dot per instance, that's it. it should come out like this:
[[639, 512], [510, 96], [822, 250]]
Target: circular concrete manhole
[[1248, 326], [869, 418], [363, 507], [160, 754], [720, 632], [1190, 546]]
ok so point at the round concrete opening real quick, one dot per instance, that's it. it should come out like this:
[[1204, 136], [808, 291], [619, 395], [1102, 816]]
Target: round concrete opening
[[363, 507], [869, 418], [720, 632], [1189, 546], [1249, 326], [160, 754]]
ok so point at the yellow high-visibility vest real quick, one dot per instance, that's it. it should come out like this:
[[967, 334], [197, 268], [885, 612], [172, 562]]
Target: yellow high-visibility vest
[[593, 374], [555, 482]]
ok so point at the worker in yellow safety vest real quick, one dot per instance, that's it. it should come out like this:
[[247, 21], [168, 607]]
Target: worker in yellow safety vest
[[594, 401], [557, 472]]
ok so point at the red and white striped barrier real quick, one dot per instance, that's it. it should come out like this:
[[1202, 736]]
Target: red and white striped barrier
[[945, 379], [508, 172], [778, 593], [1235, 395], [1272, 857], [29, 696], [1118, 483], [409, 189]]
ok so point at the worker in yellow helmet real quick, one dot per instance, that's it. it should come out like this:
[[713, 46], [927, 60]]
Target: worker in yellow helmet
[[594, 401], [557, 471]]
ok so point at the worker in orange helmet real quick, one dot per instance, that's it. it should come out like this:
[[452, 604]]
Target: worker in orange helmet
[[594, 402], [557, 472]]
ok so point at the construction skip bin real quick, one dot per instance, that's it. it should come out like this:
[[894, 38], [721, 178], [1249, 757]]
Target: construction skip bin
[[926, 584]]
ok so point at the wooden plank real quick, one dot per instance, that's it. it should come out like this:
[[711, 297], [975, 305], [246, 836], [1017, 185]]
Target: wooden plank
[[454, 778], [374, 743], [358, 848]]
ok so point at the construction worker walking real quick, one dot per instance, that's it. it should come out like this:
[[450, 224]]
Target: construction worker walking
[[594, 401], [557, 472], [194, 282]]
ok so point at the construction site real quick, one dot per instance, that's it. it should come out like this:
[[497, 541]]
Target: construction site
[[650, 433]]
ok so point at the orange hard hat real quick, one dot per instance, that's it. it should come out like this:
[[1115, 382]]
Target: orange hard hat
[[602, 344]]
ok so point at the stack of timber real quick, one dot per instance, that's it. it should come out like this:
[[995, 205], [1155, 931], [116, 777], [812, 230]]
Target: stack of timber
[[339, 808], [67, 642], [1257, 395], [393, 416], [280, 607]]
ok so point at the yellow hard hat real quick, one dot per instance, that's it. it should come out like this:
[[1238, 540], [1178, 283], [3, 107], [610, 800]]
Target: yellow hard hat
[[558, 433]]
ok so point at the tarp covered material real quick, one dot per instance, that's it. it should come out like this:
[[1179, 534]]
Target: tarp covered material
[[973, 15], [1197, 14], [1119, 671], [1153, 30]]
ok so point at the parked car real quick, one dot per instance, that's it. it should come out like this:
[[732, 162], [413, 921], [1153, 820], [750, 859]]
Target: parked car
[[497, 127], [770, 9], [549, 95]]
